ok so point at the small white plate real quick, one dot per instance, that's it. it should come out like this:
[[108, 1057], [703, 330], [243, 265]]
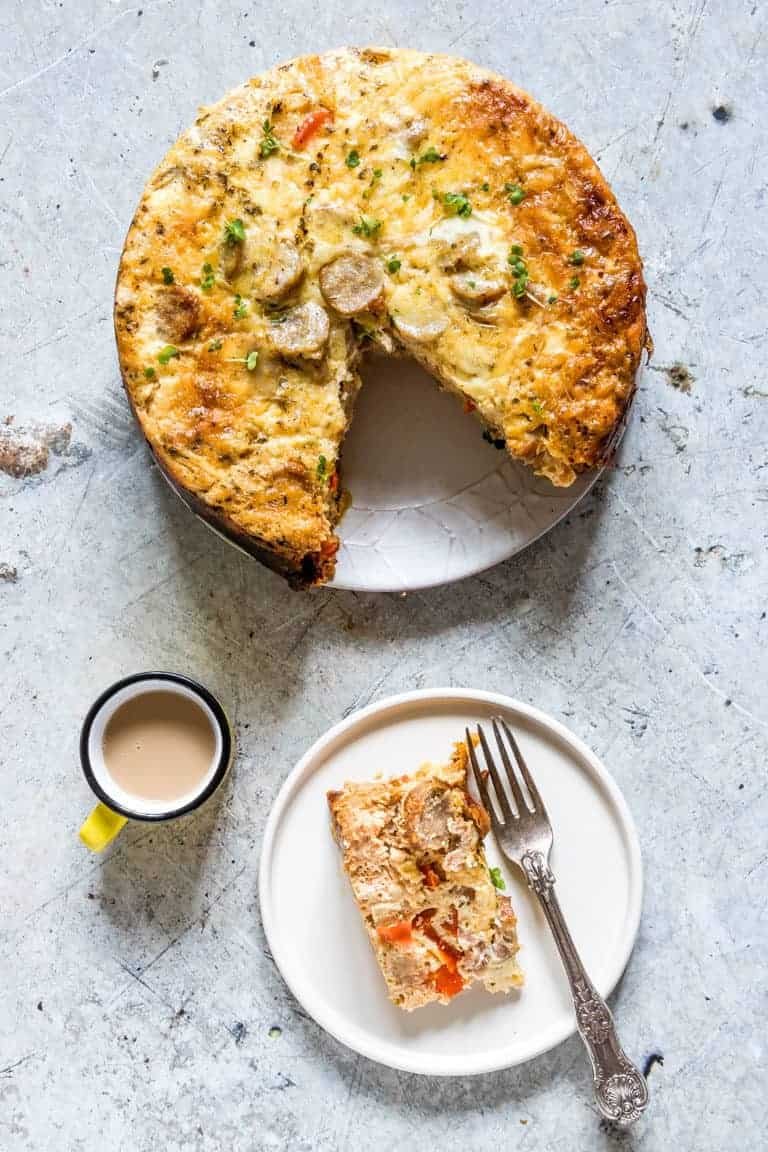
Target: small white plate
[[314, 928], [432, 502]]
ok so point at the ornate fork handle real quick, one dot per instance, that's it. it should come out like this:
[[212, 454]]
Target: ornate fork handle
[[620, 1088]]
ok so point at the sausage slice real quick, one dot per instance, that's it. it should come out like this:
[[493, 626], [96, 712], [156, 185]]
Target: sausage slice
[[474, 288], [230, 259], [302, 331], [422, 325], [352, 283], [280, 271], [178, 313]]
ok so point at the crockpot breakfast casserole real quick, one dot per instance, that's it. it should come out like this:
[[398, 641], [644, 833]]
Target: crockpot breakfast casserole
[[412, 849], [369, 199]]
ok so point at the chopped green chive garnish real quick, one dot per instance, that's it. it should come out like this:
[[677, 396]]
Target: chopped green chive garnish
[[485, 186], [322, 467], [431, 156], [367, 227], [269, 142], [241, 308], [576, 257], [519, 271], [537, 406], [574, 283], [393, 265], [167, 353], [208, 278], [375, 177], [215, 345], [455, 203], [515, 193], [353, 158], [497, 879], [167, 275], [234, 232], [274, 1032], [150, 373], [552, 299], [406, 196], [251, 359]]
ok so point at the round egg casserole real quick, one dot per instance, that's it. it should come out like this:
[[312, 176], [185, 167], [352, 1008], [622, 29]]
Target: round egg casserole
[[369, 199]]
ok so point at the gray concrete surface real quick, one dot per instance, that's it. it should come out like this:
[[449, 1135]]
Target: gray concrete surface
[[136, 998]]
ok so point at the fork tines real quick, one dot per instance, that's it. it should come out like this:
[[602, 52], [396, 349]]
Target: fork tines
[[503, 809]]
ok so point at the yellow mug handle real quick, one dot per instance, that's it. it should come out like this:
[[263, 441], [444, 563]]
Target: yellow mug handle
[[101, 827]]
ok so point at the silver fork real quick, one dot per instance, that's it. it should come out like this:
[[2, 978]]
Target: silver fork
[[524, 835]]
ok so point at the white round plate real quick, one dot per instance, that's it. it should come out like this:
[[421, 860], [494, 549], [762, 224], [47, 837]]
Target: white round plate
[[432, 502], [317, 937]]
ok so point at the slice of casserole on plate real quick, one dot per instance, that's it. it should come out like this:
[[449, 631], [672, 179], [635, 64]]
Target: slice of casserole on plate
[[412, 849]]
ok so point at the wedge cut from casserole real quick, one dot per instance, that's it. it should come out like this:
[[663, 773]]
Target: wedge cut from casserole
[[412, 849]]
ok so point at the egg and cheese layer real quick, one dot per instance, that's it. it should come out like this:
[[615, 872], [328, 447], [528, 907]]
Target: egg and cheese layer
[[412, 849], [361, 199]]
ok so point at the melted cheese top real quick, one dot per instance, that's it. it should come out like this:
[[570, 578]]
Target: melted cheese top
[[506, 269]]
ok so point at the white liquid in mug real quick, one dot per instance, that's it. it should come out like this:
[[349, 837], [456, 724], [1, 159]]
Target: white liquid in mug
[[159, 746]]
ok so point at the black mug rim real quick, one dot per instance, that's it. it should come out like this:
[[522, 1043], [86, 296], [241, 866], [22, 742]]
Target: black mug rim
[[222, 763]]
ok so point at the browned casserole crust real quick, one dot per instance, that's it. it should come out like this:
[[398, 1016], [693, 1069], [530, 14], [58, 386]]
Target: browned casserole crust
[[413, 852], [369, 199]]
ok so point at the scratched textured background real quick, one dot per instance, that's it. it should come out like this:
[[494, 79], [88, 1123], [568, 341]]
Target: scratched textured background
[[136, 998]]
